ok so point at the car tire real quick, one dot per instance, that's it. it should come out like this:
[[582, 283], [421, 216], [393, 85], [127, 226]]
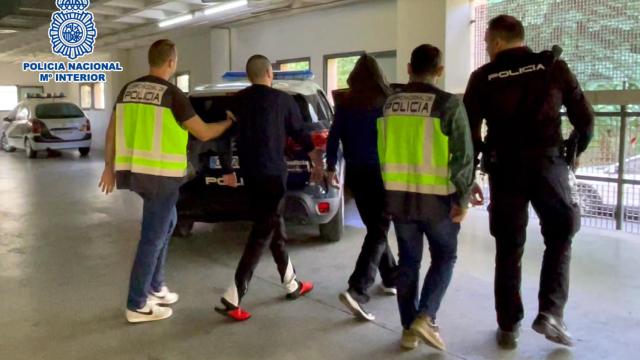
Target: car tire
[[183, 228], [4, 142], [28, 148], [84, 151], [333, 230]]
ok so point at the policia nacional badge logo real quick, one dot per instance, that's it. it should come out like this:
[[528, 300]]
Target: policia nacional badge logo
[[73, 31]]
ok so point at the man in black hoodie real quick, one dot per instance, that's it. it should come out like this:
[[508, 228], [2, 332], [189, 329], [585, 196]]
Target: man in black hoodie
[[265, 118]]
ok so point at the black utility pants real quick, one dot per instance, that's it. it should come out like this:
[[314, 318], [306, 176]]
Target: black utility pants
[[543, 182], [266, 195], [365, 183]]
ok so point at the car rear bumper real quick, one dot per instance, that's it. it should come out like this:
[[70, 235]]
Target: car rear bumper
[[40, 143], [302, 208]]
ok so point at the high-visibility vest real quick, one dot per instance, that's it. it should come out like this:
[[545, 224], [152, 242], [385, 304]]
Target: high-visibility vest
[[149, 140], [413, 150]]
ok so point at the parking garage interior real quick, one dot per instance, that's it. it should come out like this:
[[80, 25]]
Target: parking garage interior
[[66, 249]]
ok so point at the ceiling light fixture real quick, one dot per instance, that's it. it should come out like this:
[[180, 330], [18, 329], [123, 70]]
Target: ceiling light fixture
[[175, 20], [8, 31], [225, 7]]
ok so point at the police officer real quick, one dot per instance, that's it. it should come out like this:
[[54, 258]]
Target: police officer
[[519, 94], [426, 157], [146, 152]]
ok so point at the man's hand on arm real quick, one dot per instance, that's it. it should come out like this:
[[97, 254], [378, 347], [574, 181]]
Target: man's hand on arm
[[458, 213], [477, 195], [205, 132], [317, 171], [331, 177]]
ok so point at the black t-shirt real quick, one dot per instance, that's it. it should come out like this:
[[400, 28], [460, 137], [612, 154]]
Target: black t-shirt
[[266, 117], [153, 90]]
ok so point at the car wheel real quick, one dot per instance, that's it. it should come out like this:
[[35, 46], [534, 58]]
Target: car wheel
[[4, 142], [332, 231], [31, 154], [84, 151], [183, 228]]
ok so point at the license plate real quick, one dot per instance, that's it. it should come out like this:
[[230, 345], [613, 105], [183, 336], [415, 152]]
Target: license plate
[[214, 162], [298, 166]]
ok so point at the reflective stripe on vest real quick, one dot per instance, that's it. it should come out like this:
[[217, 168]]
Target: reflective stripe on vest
[[150, 141], [413, 150]]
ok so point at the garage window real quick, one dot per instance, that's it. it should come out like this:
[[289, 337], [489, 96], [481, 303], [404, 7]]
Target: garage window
[[293, 64], [337, 68], [23, 91], [92, 96], [182, 80], [8, 97]]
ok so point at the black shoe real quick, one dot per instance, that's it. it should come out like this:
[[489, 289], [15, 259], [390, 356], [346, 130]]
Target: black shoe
[[508, 339], [553, 328], [355, 307]]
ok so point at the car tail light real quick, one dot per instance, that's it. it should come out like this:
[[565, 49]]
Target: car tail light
[[86, 127], [319, 138], [36, 126], [324, 207]]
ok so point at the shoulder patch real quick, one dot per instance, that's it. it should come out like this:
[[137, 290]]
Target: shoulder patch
[[411, 104], [144, 92]]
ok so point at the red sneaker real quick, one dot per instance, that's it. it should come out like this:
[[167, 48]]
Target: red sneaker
[[304, 287], [234, 312]]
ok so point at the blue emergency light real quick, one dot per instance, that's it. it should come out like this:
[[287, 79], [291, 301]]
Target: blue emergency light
[[277, 75]]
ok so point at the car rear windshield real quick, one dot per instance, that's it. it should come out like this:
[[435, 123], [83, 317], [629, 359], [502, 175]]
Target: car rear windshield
[[314, 108], [58, 111]]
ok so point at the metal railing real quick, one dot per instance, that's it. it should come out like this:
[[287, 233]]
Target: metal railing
[[608, 179]]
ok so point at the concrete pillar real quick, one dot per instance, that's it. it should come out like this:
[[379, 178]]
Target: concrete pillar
[[442, 23], [220, 53]]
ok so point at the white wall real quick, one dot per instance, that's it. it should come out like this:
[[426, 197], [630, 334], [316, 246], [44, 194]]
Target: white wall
[[195, 51], [368, 26], [458, 45], [12, 74]]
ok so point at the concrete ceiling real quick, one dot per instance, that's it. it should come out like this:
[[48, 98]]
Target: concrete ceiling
[[123, 24]]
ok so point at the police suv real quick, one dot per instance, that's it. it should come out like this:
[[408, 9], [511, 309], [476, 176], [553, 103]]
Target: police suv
[[204, 198], [43, 122]]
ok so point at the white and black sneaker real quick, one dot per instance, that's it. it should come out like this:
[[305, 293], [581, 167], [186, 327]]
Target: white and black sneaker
[[355, 307], [389, 290], [150, 312], [163, 297]]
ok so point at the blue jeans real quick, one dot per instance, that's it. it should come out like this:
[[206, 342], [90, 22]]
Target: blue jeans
[[442, 235], [159, 218]]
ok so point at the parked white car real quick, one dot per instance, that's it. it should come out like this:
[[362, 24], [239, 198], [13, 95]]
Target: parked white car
[[43, 123], [599, 198]]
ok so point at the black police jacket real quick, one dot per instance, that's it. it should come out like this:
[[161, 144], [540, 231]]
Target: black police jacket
[[520, 95]]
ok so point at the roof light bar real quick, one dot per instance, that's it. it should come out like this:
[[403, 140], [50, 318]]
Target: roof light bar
[[225, 7], [277, 75], [175, 20]]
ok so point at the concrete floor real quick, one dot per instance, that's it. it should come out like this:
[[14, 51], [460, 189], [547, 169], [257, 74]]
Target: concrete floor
[[66, 250]]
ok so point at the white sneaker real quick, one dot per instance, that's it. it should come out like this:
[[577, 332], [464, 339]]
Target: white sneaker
[[163, 297], [391, 291], [355, 307], [150, 312]]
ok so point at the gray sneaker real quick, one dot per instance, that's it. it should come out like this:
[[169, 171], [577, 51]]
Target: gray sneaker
[[428, 331], [553, 328]]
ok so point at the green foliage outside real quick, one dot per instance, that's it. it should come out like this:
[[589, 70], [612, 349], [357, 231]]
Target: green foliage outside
[[295, 66], [601, 43], [345, 66]]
